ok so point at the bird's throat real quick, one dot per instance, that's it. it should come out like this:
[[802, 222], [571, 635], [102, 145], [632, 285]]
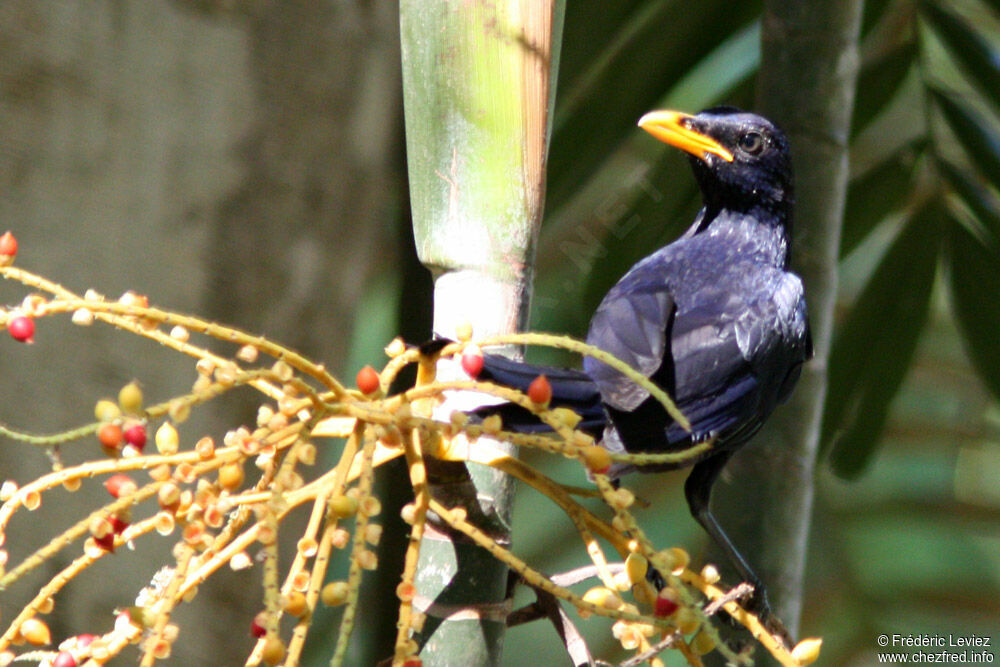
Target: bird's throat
[[760, 234]]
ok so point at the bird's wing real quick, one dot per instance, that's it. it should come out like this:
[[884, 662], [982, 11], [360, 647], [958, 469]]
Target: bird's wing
[[733, 354], [715, 381], [632, 324]]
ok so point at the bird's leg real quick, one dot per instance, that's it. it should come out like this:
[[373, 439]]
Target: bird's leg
[[698, 489]]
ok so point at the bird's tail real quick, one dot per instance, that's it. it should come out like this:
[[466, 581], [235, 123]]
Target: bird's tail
[[571, 389]]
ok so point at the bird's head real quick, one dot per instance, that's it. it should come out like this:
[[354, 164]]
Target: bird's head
[[741, 160]]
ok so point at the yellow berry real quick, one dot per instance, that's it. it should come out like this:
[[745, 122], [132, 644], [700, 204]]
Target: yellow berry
[[703, 643], [334, 593], [106, 410], [395, 348], [231, 476], [492, 425], [604, 597], [636, 566], [130, 398], [166, 439], [681, 558], [343, 506], [566, 417], [597, 459], [807, 650], [274, 650]]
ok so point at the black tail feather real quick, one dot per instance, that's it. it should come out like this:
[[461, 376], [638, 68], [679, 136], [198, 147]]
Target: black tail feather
[[571, 389]]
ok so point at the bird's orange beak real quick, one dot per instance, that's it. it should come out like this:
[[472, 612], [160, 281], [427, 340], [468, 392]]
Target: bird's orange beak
[[669, 127]]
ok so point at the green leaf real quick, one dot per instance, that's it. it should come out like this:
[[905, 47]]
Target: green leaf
[[974, 132], [872, 348], [981, 202], [879, 81], [874, 195], [718, 74], [974, 279], [977, 58], [994, 5], [610, 78], [872, 12]]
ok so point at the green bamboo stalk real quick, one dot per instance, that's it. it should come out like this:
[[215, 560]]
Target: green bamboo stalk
[[478, 83]]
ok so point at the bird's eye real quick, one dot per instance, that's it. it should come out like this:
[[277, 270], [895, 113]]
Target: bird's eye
[[752, 143]]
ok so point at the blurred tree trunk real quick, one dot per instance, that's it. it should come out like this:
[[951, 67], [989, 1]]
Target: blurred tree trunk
[[308, 224], [808, 71], [239, 160], [313, 219]]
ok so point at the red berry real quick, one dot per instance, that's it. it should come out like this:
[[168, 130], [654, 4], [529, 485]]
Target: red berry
[[8, 244], [540, 391], [257, 625], [118, 525], [367, 380], [64, 659], [664, 606], [120, 485], [83, 641], [22, 329], [106, 542], [135, 435], [472, 361]]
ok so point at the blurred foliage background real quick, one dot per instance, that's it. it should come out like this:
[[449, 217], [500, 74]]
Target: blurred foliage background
[[245, 160]]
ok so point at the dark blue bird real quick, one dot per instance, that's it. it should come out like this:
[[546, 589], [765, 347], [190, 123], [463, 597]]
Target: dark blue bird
[[715, 318]]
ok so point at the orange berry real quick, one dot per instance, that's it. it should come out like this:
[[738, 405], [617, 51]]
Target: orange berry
[[368, 381], [120, 485], [295, 604], [231, 476], [36, 632], [8, 246], [110, 436], [406, 591], [274, 651], [597, 459], [540, 391]]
